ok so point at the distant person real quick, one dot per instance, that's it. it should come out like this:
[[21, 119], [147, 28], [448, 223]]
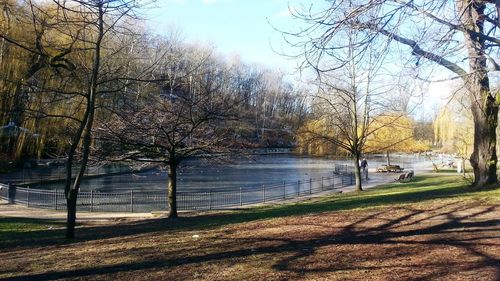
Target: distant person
[[459, 166], [364, 168]]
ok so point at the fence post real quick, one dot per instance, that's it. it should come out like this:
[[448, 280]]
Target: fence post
[[30, 200], [132, 201], [91, 200], [298, 188], [210, 199], [9, 192], [241, 198]]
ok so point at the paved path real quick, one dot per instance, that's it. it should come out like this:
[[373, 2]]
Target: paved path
[[21, 211]]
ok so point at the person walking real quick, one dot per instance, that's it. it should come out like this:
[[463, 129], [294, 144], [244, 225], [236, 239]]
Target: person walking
[[364, 168]]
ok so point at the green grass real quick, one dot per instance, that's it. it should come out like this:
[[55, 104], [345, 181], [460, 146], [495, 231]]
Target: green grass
[[11, 227], [453, 170], [419, 191]]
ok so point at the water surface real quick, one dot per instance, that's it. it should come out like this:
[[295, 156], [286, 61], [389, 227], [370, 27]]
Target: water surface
[[239, 172]]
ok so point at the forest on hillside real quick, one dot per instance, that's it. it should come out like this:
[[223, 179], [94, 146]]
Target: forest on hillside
[[68, 69], [49, 72]]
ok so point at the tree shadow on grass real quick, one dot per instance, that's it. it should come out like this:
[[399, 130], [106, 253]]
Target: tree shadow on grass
[[462, 227], [393, 194]]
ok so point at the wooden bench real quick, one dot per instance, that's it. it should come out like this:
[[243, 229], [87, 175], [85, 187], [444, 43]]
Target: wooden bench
[[405, 177], [389, 168]]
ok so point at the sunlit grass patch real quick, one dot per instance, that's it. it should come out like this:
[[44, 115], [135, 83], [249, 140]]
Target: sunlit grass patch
[[26, 224], [11, 228], [420, 189]]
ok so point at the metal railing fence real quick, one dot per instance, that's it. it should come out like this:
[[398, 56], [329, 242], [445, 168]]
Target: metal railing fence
[[147, 201]]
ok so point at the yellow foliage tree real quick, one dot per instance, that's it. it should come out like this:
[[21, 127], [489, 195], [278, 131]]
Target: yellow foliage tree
[[444, 128], [454, 131], [309, 143], [393, 133]]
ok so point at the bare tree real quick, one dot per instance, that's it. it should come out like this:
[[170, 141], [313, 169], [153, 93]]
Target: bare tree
[[183, 117], [459, 36], [93, 29], [348, 100]]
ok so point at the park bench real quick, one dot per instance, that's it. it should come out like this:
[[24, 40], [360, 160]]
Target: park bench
[[389, 168], [406, 177]]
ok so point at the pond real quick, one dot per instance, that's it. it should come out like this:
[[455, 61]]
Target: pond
[[240, 172]]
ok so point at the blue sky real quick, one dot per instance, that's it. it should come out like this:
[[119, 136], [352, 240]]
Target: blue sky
[[234, 27], [244, 28]]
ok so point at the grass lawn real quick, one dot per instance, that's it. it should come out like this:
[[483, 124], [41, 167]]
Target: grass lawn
[[434, 227]]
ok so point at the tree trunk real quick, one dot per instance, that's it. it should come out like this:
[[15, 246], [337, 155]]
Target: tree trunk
[[485, 113], [69, 192], [84, 133], [357, 174], [388, 158], [71, 214], [483, 104], [172, 190], [72, 192], [484, 157]]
